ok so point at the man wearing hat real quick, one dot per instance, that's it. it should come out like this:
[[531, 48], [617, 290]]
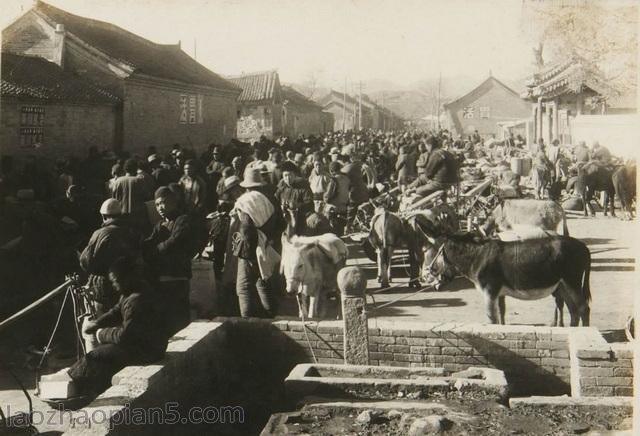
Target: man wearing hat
[[252, 245], [337, 197], [114, 239]]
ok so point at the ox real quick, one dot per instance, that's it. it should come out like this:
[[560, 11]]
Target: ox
[[624, 184], [528, 269], [517, 214], [310, 266]]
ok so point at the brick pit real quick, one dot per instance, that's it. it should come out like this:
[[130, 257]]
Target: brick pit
[[219, 356]]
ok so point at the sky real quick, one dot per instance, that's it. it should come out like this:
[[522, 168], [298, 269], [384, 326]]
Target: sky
[[399, 41]]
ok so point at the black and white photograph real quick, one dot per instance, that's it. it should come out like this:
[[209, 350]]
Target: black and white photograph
[[318, 217]]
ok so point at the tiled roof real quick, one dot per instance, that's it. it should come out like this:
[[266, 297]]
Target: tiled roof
[[478, 91], [293, 96], [257, 87], [337, 97], [146, 57], [567, 76], [34, 77]]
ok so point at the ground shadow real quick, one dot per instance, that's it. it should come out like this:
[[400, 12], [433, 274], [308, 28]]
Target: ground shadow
[[525, 378], [423, 303], [614, 260], [596, 241], [614, 268]]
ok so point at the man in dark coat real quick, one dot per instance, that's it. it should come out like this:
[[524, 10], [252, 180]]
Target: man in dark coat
[[440, 173], [131, 333], [129, 190], [111, 241], [168, 252]]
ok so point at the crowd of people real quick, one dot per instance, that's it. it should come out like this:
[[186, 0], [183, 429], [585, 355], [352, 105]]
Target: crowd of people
[[158, 211]]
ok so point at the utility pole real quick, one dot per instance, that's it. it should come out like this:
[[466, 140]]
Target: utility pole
[[360, 107], [344, 107], [384, 114], [438, 108]]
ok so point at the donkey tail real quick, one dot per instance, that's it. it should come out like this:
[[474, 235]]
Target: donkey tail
[[383, 237]]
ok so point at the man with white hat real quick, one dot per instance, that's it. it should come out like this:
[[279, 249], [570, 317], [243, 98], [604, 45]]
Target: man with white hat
[[114, 239], [257, 261]]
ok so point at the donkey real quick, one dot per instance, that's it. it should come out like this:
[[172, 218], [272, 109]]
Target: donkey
[[310, 266], [527, 269]]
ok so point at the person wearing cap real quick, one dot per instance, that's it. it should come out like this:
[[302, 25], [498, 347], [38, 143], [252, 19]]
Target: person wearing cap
[[337, 197], [194, 187], [334, 154], [131, 333], [252, 244], [294, 193], [168, 252], [319, 182], [114, 239]]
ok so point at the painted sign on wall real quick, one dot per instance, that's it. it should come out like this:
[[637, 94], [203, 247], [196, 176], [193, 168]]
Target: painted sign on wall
[[191, 109]]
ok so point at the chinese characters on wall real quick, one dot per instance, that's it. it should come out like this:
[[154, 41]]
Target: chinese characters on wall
[[191, 109], [468, 112]]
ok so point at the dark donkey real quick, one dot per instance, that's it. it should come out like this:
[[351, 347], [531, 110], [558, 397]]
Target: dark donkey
[[594, 176], [529, 269]]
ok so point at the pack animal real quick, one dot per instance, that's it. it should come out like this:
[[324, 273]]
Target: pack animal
[[310, 266], [514, 214], [593, 177], [624, 184], [528, 270], [390, 232]]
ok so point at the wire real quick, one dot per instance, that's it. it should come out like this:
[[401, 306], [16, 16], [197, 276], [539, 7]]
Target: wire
[[55, 328], [304, 328], [75, 323]]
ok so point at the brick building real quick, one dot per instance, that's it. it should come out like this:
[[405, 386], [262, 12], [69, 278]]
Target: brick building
[[346, 112], [164, 96], [481, 109], [303, 116], [260, 109], [53, 111]]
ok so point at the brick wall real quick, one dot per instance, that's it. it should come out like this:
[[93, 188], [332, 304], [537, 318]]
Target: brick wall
[[69, 129], [151, 116], [534, 359], [600, 369], [503, 106], [304, 121]]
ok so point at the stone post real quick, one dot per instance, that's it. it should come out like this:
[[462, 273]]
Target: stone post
[[352, 284]]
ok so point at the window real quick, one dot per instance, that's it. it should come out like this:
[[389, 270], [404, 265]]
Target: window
[[484, 112], [467, 112], [31, 125]]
